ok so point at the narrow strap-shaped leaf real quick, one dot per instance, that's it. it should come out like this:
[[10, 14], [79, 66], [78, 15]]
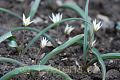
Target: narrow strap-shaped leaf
[[110, 55], [61, 48], [10, 12], [9, 60], [105, 57], [34, 8], [5, 36], [25, 28], [97, 54], [85, 46], [27, 69]]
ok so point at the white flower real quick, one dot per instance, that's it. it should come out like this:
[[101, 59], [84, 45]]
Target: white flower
[[68, 29], [96, 25], [26, 21], [44, 42], [56, 18], [93, 43]]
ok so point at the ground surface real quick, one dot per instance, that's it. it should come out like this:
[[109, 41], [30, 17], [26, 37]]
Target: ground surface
[[108, 38]]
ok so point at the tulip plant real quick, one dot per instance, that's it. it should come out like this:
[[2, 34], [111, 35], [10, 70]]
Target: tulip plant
[[87, 40]]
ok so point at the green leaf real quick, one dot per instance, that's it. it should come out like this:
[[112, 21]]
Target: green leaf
[[25, 28], [32, 68], [105, 57], [10, 12], [85, 46], [9, 60], [111, 56], [5, 36], [97, 54], [61, 48], [12, 42], [34, 8]]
